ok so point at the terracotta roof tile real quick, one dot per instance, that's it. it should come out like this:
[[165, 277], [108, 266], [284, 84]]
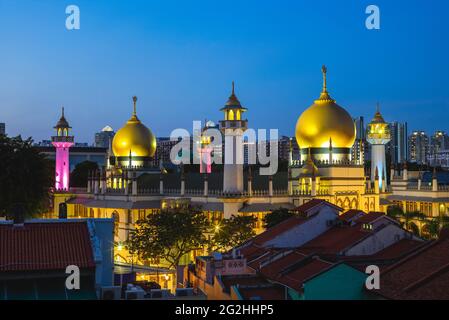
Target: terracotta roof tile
[[370, 217], [45, 246], [351, 214], [313, 203], [423, 274], [279, 229], [336, 239], [293, 268]]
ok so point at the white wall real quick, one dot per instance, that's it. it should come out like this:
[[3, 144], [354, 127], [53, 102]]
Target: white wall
[[303, 233], [378, 241]]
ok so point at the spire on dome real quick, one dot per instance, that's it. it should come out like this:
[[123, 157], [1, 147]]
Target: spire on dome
[[62, 122], [324, 96], [233, 101], [135, 109], [378, 116], [134, 115], [324, 71]]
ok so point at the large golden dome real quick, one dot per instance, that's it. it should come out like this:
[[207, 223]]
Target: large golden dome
[[134, 138], [324, 121]]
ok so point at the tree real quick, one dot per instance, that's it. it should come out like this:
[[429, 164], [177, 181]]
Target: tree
[[395, 212], [277, 216], [433, 228], [233, 232], [25, 178], [169, 235], [78, 178]]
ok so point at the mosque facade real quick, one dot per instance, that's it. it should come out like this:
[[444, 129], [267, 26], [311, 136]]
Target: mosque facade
[[325, 133]]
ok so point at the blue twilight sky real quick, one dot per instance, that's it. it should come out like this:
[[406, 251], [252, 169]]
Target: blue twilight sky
[[179, 58]]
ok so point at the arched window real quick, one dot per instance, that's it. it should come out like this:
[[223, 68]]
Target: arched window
[[231, 115], [354, 204]]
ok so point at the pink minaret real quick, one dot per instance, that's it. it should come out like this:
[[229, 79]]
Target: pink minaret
[[205, 150], [62, 141]]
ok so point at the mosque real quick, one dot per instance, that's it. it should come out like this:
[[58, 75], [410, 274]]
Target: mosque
[[325, 133]]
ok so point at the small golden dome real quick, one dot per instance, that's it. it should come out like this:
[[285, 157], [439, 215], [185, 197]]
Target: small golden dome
[[134, 138], [325, 120], [309, 169]]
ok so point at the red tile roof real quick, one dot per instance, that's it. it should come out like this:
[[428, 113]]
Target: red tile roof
[[350, 214], [398, 249], [336, 240], [293, 269], [252, 251], [279, 229], [313, 203], [370, 217], [290, 222], [423, 274], [384, 258], [45, 246]]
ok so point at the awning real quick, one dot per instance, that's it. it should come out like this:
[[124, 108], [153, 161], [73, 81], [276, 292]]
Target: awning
[[150, 204], [265, 207]]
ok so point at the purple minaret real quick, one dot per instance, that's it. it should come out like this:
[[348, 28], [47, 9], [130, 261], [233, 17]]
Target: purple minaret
[[62, 141]]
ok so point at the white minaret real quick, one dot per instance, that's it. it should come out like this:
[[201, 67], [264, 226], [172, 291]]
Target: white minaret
[[233, 128], [378, 135]]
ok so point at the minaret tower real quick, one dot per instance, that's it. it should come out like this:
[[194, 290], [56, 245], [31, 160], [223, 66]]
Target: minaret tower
[[233, 127], [62, 141], [205, 150], [378, 135]]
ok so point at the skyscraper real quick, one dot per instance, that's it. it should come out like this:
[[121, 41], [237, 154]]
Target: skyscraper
[[397, 148], [439, 143], [103, 138], [418, 143], [360, 147], [2, 128]]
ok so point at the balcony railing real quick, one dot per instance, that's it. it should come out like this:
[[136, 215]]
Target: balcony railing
[[62, 139]]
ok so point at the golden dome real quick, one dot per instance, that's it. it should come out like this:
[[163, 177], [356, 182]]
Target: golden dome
[[134, 138], [324, 121]]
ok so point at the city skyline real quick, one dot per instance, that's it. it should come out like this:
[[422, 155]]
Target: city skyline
[[191, 64]]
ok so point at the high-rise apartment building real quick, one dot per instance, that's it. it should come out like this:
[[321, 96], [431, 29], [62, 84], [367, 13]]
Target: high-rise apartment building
[[104, 137], [418, 143], [397, 148]]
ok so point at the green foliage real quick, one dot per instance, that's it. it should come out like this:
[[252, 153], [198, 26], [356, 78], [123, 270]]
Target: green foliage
[[432, 229], [169, 235], [233, 232], [25, 177], [395, 212], [78, 178], [276, 217]]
